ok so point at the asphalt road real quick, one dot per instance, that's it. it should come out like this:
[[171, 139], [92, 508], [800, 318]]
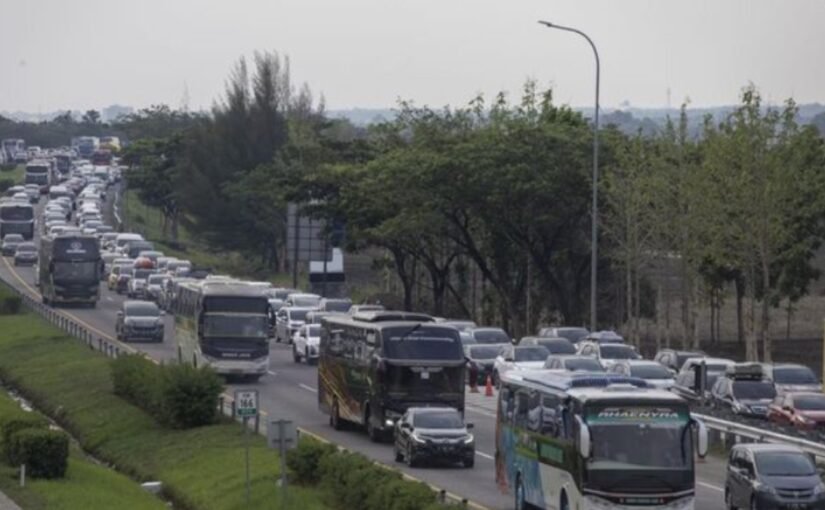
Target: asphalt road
[[289, 391]]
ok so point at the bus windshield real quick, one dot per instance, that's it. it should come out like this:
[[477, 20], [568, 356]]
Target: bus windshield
[[75, 271], [616, 433], [422, 343], [245, 326], [17, 213]]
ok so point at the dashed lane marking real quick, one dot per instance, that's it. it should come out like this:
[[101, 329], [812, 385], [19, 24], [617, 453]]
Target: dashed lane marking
[[308, 388], [711, 486], [485, 455]]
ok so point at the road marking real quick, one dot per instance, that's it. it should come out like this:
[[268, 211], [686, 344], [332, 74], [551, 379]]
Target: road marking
[[109, 298], [308, 388], [485, 455], [711, 486], [270, 372], [481, 411]]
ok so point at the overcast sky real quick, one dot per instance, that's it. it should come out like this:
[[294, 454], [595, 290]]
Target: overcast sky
[[79, 54]]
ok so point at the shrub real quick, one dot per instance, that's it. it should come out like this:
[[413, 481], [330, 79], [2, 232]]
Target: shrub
[[401, 495], [304, 461], [138, 380], [348, 479], [44, 452], [5, 184], [10, 305], [189, 396], [8, 167], [11, 425]]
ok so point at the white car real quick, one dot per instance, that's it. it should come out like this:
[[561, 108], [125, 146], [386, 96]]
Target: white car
[[608, 354], [653, 372], [288, 320], [514, 357], [305, 343]]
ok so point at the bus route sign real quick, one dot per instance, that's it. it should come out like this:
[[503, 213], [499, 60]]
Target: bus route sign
[[246, 403]]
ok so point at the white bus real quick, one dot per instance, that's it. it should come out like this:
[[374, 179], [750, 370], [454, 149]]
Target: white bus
[[590, 441], [222, 324]]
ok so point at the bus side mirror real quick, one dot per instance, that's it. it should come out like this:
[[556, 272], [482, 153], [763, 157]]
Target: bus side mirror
[[701, 439], [584, 439]]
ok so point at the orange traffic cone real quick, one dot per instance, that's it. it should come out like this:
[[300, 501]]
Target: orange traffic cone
[[488, 390]]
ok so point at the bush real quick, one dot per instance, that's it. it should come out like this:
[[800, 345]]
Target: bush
[[138, 380], [304, 461], [10, 305], [44, 452], [5, 184], [11, 425], [8, 167], [189, 396], [401, 495]]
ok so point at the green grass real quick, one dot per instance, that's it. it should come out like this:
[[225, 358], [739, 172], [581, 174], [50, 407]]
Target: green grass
[[86, 484], [200, 468], [14, 173], [148, 221]]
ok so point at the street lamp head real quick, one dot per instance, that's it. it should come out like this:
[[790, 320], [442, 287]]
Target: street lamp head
[[545, 23]]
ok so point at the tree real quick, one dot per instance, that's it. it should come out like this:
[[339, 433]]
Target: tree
[[91, 117]]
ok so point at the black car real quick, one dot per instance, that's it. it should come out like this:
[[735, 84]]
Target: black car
[[25, 254], [9, 244], [743, 391], [434, 434], [772, 476], [139, 320], [480, 358]]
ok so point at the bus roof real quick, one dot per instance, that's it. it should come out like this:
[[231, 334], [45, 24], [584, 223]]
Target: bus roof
[[585, 386], [391, 316], [346, 319]]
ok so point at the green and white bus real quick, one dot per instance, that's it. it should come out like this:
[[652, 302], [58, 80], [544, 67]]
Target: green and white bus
[[591, 441], [222, 324]]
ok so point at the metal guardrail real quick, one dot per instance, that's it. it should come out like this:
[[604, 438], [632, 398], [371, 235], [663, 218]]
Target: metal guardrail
[[739, 432]]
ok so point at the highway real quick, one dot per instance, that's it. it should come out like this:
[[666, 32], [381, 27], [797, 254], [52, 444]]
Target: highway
[[289, 391]]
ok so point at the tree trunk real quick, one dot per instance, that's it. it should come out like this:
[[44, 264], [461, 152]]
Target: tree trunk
[[629, 298], [740, 296], [637, 312], [751, 351], [788, 324], [658, 314], [767, 341], [712, 315]]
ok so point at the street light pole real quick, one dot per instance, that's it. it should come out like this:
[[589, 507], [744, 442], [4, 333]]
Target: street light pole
[[594, 231]]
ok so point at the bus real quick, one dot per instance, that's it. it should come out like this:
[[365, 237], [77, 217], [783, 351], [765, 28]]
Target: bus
[[594, 441], [64, 163], [69, 268], [370, 372], [17, 218], [85, 145], [102, 157], [12, 147], [222, 324], [38, 172]]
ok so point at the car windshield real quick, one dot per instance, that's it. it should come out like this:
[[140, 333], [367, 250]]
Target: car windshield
[[314, 330], [337, 306], [491, 336], [682, 357], [298, 315], [618, 352], [304, 300], [784, 464], [142, 310], [536, 353], [26, 248], [217, 325], [583, 364], [438, 420], [156, 279], [558, 347], [617, 432], [483, 352], [753, 390], [794, 375], [809, 402], [13, 238], [142, 274], [652, 371]]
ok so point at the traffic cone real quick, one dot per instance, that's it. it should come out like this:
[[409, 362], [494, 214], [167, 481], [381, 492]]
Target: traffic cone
[[488, 390]]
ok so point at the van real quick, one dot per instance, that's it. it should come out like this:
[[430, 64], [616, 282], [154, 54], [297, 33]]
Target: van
[[122, 239]]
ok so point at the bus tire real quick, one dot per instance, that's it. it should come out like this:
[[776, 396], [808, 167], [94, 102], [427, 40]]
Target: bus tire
[[520, 501], [373, 433], [295, 356], [335, 417], [565, 505]]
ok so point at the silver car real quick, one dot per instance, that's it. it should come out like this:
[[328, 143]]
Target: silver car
[[288, 320]]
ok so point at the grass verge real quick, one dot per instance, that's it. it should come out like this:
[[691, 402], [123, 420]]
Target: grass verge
[[201, 468], [86, 484]]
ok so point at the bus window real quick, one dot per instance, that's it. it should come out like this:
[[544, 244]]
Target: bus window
[[550, 417], [521, 409]]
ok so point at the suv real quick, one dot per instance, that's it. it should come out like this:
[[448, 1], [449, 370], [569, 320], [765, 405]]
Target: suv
[[687, 381], [674, 359], [531, 357], [791, 377], [139, 320], [573, 363], [607, 353], [10, 242], [553, 345], [744, 391], [575, 335], [288, 320], [761, 475], [305, 343], [434, 433]]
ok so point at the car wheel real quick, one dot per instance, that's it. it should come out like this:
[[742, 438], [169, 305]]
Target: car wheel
[[295, 357], [411, 461], [470, 462], [520, 503], [373, 433], [754, 506], [728, 500]]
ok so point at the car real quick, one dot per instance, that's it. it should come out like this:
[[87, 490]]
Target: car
[[604, 337], [133, 248], [792, 377], [153, 255], [305, 344], [801, 410], [33, 191], [460, 325], [288, 320], [25, 254], [122, 280], [772, 476], [743, 390], [674, 359], [607, 353], [21, 196], [355, 309], [433, 434], [303, 300], [654, 373], [315, 316], [490, 336], [178, 267], [108, 258], [481, 359], [516, 357], [138, 282], [573, 334], [573, 363], [123, 238], [9, 244], [687, 380], [154, 286], [139, 320], [553, 345], [335, 305]]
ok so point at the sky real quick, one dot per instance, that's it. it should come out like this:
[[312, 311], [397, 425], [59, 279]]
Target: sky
[[81, 54]]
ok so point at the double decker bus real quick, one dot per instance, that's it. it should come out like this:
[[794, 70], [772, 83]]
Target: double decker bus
[[12, 147], [17, 218], [222, 324], [370, 370], [594, 441], [69, 268], [39, 172]]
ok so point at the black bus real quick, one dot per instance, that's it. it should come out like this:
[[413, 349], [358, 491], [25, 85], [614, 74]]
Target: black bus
[[369, 373], [69, 269]]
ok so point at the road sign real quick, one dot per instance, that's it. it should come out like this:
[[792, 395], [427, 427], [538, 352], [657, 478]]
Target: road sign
[[305, 237], [282, 434], [246, 403]]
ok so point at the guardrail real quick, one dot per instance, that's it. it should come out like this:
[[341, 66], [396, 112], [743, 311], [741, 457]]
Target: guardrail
[[746, 433]]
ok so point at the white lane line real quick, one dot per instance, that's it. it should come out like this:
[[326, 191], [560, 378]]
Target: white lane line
[[485, 455], [270, 372], [711, 486], [308, 388], [109, 298]]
